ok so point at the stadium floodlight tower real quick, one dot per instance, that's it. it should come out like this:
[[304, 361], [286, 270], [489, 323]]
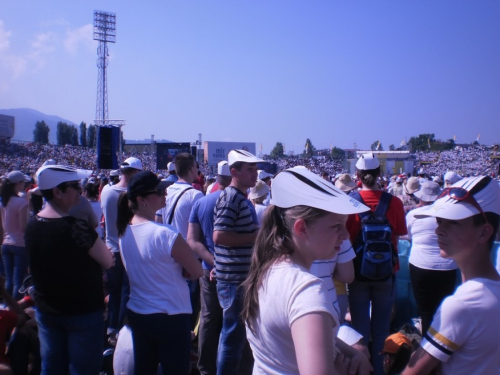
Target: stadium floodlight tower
[[104, 33]]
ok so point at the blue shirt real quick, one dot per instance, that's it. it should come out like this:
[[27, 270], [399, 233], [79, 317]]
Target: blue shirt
[[202, 213]]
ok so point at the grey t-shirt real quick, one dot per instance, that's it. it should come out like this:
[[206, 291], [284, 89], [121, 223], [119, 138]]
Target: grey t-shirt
[[109, 204]]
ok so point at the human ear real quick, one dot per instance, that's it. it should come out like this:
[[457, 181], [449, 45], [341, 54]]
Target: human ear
[[486, 233], [300, 228]]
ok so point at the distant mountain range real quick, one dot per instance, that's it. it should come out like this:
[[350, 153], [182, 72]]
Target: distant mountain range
[[26, 119]]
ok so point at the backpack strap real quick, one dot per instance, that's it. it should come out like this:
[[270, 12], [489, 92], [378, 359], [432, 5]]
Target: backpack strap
[[383, 204], [359, 198], [171, 216]]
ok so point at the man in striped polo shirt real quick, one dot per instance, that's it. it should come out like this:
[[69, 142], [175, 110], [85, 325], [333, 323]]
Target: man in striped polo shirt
[[234, 235]]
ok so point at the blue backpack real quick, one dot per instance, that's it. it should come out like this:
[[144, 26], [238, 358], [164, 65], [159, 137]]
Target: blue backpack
[[375, 255]]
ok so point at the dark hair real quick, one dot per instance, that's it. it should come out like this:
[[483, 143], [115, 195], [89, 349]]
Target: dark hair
[[274, 240], [48, 194], [493, 219], [7, 191], [92, 190], [126, 209], [400, 359], [183, 162], [368, 177], [224, 180]]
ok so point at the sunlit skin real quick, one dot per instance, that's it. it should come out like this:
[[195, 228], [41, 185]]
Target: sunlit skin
[[244, 178], [320, 239]]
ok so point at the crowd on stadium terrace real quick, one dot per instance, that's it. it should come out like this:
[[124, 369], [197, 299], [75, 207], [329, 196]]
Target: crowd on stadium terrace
[[27, 157]]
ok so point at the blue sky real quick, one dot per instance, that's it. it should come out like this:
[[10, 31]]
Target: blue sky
[[338, 72]]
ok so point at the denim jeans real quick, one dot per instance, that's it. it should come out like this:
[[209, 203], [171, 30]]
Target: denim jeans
[[160, 338], [71, 344], [382, 295], [233, 334], [210, 326], [15, 261], [119, 291]]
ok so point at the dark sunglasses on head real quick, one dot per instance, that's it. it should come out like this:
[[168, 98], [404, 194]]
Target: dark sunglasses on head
[[157, 192], [463, 195]]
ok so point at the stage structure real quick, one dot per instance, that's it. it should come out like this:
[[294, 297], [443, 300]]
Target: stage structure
[[108, 131]]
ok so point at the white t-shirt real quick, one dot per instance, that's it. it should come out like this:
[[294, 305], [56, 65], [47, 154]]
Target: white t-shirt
[[323, 269], [156, 281], [96, 206], [424, 246], [109, 205], [288, 293], [465, 334], [259, 210], [180, 220]]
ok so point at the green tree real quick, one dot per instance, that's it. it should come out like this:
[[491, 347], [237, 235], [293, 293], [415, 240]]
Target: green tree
[[66, 134], [83, 134], [421, 142], [278, 151], [74, 136], [337, 153], [41, 132], [91, 131], [309, 149], [377, 146], [392, 147]]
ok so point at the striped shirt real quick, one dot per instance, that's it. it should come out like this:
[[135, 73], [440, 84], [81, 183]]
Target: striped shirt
[[232, 213]]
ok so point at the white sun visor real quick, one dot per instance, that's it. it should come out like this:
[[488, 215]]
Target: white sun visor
[[300, 187]]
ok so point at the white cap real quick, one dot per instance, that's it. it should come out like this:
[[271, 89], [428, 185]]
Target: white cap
[[488, 198], [49, 176], [223, 169], [132, 163], [260, 189], [243, 156], [171, 167], [451, 177], [263, 174], [367, 162], [114, 173], [300, 187], [15, 176], [49, 162]]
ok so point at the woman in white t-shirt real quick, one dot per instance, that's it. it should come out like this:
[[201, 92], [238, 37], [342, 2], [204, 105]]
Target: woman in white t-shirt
[[433, 277], [157, 260], [291, 324], [14, 217]]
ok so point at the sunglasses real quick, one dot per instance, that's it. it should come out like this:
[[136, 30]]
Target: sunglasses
[[160, 192], [74, 185], [463, 195]]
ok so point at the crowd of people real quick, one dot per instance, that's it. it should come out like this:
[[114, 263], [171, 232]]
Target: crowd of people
[[265, 273], [466, 161]]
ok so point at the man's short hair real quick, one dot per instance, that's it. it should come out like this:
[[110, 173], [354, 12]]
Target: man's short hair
[[183, 163]]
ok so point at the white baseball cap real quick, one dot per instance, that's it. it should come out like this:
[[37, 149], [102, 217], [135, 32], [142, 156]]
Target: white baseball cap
[[451, 177], [132, 163], [223, 169], [49, 176], [485, 191], [171, 167], [16, 176], [367, 162], [243, 156], [300, 187], [263, 174]]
